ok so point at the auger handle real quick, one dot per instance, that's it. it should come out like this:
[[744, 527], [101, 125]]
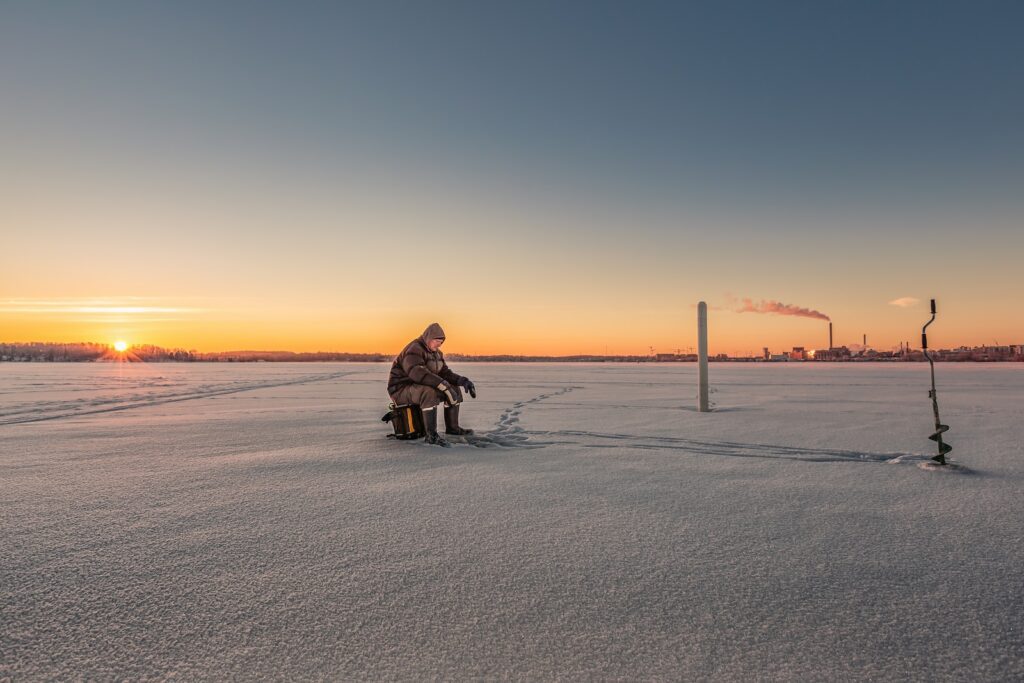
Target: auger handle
[[924, 335]]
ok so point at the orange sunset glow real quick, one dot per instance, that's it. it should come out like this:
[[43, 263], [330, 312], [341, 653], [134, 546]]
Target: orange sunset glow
[[612, 325]]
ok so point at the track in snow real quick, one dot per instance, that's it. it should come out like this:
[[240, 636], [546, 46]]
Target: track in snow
[[56, 410], [510, 434]]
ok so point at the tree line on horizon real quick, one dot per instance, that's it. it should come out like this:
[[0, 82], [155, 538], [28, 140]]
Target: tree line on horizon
[[92, 352], [55, 352]]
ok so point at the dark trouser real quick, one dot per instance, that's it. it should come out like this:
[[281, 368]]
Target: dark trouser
[[427, 398]]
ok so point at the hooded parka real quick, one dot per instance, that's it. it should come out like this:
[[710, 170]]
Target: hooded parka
[[417, 364]]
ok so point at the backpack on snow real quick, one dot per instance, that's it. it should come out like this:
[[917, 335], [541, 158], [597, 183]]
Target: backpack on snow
[[407, 421]]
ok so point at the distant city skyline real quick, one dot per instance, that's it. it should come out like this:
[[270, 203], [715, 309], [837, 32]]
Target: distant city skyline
[[541, 178]]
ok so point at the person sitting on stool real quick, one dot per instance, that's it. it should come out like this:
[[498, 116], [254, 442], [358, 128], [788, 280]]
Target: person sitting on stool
[[420, 376]]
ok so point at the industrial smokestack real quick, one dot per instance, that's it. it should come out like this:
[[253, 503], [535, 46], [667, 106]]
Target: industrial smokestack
[[865, 341], [830, 335]]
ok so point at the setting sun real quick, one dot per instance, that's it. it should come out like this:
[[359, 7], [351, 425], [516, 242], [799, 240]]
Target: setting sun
[[120, 346]]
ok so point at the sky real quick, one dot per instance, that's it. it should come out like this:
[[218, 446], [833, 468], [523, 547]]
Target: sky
[[538, 177]]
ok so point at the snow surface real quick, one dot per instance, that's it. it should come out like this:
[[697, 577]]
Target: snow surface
[[252, 521]]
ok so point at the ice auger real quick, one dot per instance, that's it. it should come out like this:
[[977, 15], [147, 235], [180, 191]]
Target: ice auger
[[939, 427]]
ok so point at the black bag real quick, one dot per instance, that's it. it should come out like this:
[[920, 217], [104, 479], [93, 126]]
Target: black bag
[[407, 421]]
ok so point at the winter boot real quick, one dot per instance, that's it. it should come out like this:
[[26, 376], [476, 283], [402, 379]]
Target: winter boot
[[451, 422], [430, 424]]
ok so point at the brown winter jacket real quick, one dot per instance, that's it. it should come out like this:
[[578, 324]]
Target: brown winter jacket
[[417, 364]]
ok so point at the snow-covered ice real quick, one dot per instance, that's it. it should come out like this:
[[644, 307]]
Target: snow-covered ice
[[241, 521]]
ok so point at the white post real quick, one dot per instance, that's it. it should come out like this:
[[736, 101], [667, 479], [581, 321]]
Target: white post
[[702, 356]]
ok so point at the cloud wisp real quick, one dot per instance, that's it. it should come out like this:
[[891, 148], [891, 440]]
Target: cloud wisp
[[905, 302], [129, 306]]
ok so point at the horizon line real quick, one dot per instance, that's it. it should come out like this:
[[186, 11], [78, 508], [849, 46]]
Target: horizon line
[[462, 354]]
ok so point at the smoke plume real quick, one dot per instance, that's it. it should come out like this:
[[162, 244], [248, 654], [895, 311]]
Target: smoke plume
[[779, 308]]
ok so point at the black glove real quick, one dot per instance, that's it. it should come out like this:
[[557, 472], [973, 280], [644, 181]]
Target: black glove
[[468, 386]]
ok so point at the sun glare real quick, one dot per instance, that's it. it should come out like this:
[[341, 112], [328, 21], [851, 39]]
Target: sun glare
[[120, 346]]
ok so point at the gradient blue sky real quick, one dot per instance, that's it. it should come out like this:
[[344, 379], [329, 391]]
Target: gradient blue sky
[[573, 175]]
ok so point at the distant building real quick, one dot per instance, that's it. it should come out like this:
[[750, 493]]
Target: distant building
[[833, 354]]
